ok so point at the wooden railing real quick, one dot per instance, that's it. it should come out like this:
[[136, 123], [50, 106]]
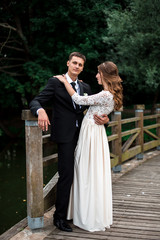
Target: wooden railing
[[40, 199]]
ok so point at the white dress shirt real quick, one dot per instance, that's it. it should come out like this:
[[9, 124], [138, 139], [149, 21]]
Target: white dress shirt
[[77, 89], [76, 86]]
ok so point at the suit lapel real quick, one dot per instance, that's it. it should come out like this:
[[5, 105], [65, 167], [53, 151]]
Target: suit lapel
[[65, 95], [81, 88]]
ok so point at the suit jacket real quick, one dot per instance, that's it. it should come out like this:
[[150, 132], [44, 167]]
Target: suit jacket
[[64, 115]]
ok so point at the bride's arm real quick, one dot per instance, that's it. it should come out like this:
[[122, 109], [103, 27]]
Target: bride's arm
[[95, 99], [67, 85], [98, 120], [81, 100]]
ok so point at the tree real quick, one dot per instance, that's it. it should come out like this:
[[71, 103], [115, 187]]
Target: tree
[[134, 37], [36, 39]]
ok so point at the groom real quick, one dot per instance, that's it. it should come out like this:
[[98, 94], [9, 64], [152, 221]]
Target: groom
[[65, 126]]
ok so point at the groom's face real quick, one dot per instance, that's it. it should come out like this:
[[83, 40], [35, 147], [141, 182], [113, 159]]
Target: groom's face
[[75, 66]]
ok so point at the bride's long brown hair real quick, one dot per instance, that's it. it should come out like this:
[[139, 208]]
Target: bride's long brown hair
[[109, 74]]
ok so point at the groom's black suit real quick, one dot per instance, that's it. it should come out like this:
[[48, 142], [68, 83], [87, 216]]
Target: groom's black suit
[[64, 131]]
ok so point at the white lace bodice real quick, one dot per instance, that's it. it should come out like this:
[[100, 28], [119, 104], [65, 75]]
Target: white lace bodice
[[100, 103]]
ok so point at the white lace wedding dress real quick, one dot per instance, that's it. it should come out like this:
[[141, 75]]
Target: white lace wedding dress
[[90, 204]]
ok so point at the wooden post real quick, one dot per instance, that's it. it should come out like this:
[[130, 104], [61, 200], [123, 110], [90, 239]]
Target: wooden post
[[34, 171], [117, 143], [158, 121], [139, 124]]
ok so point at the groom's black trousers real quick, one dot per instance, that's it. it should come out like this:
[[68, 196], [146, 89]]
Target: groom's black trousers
[[66, 171]]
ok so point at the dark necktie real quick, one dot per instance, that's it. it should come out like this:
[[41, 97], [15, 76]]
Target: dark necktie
[[74, 87]]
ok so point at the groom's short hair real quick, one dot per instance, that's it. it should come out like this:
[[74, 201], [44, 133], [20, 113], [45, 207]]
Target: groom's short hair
[[77, 54]]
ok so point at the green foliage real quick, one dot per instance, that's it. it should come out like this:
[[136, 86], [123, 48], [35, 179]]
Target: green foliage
[[133, 38], [40, 35], [126, 32], [37, 75], [10, 90]]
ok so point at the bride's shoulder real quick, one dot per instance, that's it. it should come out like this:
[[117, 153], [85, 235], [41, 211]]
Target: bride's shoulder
[[108, 95], [106, 92]]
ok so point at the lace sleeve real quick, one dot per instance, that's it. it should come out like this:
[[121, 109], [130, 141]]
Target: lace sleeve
[[101, 98]]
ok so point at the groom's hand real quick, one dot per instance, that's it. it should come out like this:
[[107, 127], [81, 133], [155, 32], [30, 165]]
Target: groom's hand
[[43, 120], [101, 120]]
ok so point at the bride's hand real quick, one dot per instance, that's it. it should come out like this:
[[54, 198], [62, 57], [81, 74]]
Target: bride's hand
[[62, 78]]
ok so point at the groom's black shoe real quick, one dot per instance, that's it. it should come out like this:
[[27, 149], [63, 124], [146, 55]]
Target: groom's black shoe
[[62, 225]]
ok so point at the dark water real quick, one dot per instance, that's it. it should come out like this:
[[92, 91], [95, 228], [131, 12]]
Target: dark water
[[13, 183]]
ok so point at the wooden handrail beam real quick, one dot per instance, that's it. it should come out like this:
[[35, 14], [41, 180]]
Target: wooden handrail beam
[[129, 120], [113, 123], [112, 137], [151, 116], [152, 126], [50, 159], [49, 192], [46, 138], [129, 132]]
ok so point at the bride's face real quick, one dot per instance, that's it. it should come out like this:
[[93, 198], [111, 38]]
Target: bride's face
[[98, 76]]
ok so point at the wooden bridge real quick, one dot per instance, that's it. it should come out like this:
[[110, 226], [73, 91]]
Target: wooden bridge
[[136, 208], [123, 146], [136, 195]]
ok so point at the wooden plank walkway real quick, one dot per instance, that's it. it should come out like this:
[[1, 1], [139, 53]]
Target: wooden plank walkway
[[136, 204]]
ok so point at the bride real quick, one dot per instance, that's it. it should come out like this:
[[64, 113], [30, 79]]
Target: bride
[[90, 204]]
